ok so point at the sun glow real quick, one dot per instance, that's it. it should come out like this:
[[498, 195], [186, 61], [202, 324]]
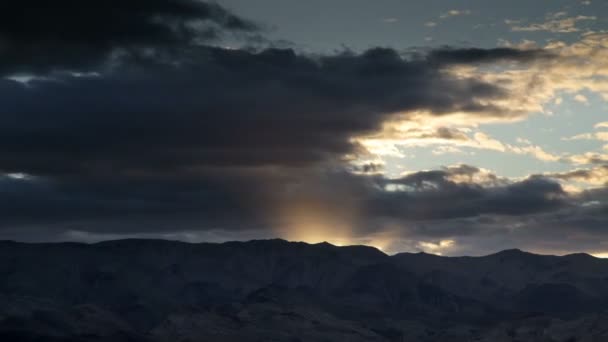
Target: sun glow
[[603, 255], [315, 216], [312, 218]]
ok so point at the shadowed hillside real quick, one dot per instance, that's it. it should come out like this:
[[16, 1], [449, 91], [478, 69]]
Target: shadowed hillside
[[273, 290]]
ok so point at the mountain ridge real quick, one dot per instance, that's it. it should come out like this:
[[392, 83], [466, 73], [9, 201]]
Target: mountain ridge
[[160, 290], [512, 251]]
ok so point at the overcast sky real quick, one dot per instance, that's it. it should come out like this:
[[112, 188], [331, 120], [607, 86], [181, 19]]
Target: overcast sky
[[450, 127]]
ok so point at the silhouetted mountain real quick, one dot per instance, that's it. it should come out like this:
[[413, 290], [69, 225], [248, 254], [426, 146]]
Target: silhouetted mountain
[[273, 290]]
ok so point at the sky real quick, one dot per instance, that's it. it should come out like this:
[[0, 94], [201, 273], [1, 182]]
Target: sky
[[445, 127]]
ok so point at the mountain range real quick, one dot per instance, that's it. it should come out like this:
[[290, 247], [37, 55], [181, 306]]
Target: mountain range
[[274, 290]]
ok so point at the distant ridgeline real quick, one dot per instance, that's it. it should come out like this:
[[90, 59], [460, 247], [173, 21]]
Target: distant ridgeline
[[273, 290]]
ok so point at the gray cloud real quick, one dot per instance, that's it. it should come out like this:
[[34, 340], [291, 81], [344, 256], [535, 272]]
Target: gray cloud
[[219, 199], [40, 36], [595, 175], [476, 210], [220, 107], [477, 55]]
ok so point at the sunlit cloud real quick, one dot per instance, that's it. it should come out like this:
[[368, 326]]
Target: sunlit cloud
[[594, 176], [578, 66], [588, 158], [446, 149], [581, 98], [556, 22], [601, 125], [455, 13], [397, 136], [602, 136], [439, 247]]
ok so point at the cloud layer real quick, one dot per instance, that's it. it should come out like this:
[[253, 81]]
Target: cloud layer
[[131, 119]]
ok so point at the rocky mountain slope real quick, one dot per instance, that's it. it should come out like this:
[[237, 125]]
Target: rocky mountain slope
[[273, 290]]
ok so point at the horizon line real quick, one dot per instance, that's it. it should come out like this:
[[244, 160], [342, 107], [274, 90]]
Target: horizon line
[[420, 252]]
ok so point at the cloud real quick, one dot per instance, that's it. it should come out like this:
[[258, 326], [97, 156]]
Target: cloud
[[588, 158], [423, 132], [217, 106], [454, 192], [455, 13], [573, 67], [601, 125], [204, 138], [446, 149], [471, 56], [39, 36], [217, 200], [535, 151], [556, 23], [471, 209], [595, 176], [602, 136], [147, 127], [581, 98]]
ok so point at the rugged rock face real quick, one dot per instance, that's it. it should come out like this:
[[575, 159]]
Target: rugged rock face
[[149, 290]]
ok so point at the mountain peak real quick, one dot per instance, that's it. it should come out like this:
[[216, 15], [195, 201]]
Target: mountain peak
[[324, 243], [513, 253], [582, 256]]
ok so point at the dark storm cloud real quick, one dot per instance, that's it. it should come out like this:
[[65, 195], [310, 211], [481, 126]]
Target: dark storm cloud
[[476, 55], [220, 107], [40, 36], [434, 195], [177, 105], [533, 214], [122, 206], [221, 198]]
